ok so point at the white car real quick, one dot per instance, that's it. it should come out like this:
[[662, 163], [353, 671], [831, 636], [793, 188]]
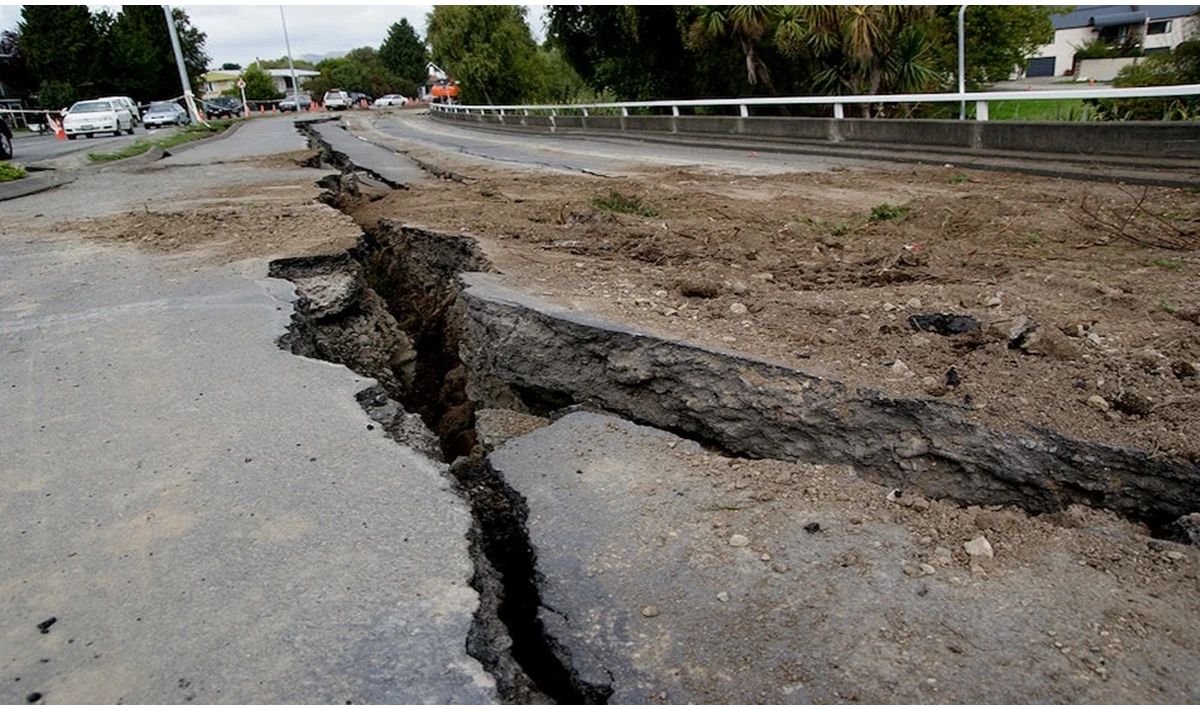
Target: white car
[[391, 100], [128, 103], [91, 117], [336, 99]]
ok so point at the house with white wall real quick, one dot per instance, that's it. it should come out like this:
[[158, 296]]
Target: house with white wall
[[216, 82], [1156, 27]]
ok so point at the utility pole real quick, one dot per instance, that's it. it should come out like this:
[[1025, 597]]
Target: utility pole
[[962, 63], [188, 97], [287, 43]]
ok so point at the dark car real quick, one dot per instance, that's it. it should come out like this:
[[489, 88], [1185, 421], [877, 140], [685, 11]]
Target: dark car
[[222, 107], [6, 148], [288, 104]]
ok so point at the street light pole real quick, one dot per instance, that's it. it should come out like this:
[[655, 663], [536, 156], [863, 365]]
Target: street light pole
[[288, 44], [188, 97], [962, 64]]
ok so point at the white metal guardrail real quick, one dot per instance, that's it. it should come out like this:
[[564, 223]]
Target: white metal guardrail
[[980, 99]]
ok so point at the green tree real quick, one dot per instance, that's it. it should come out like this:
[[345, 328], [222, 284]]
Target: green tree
[[259, 85], [403, 55], [744, 26], [59, 44], [488, 49], [13, 67], [866, 49], [1000, 39], [634, 52]]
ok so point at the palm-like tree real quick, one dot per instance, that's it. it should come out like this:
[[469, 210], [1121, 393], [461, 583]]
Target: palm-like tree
[[865, 49], [744, 25]]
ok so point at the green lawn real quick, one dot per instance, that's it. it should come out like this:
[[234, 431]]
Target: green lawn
[[1067, 109], [8, 172], [187, 134]]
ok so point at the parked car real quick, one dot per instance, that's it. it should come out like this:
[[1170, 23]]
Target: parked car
[[336, 99], [288, 104], [222, 107], [92, 117], [391, 100], [6, 148], [359, 99], [129, 104], [160, 114]]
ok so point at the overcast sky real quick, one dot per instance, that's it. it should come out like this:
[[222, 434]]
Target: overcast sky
[[241, 33]]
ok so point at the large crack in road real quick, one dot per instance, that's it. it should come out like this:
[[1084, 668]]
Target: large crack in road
[[416, 311]]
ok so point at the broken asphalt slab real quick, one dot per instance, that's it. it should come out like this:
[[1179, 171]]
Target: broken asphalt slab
[[203, 514], [352, 152], [669, 573], [33, 182]]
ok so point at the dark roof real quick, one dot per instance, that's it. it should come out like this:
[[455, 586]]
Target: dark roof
[[1108, 15]]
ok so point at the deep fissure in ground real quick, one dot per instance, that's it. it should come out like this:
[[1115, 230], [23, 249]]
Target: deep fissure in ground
[[387, 310], [412, 276]]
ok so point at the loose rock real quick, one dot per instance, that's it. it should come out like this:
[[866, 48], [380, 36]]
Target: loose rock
[[650, 611], [738, 541], [979, 547]]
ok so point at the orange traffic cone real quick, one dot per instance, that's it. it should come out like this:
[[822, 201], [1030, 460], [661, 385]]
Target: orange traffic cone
[[59, 132]]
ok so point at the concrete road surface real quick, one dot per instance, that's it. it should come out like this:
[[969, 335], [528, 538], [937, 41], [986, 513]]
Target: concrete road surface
[[189, 512]]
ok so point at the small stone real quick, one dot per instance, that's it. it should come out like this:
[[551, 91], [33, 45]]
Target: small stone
[[942, 556], [738, 287], [978, 570], [901, 371], [889, 306], [650, 611], [738, 309], [993, 301], [979, 547], [1175, 555], [723, 596], [920, 504], [928, 569], [812, 527], [855, 520], [911, 570], [765, 558], [738, 541], [913, 303], [779, 567], [1098, 402]]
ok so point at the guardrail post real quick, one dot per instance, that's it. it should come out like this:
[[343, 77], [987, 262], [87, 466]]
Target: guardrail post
[[624, 114], [839, 112], [553, 122], [744, 109], [981, 110], [674, 118]]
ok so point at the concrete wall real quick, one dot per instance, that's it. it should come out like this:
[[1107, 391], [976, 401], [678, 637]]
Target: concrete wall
[[1104, 69], [1174, 140]]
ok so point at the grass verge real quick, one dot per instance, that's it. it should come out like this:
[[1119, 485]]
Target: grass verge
[[190, 133], [8, 172]]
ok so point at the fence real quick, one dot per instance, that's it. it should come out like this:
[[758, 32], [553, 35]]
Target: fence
[[1158, 141], [981, 100]]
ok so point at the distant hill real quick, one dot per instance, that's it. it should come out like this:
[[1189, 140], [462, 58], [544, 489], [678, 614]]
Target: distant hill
[[317, 58]]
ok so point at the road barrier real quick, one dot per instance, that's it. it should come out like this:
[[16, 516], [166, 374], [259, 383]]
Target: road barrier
[[1153, 140]]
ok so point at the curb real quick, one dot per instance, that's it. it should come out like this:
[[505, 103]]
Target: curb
[[196, 143], [33, 183]]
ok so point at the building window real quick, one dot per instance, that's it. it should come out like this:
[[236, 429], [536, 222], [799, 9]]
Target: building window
[[1159, 27]]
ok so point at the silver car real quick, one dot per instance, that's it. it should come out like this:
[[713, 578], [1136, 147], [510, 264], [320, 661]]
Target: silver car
[[160, 114]]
